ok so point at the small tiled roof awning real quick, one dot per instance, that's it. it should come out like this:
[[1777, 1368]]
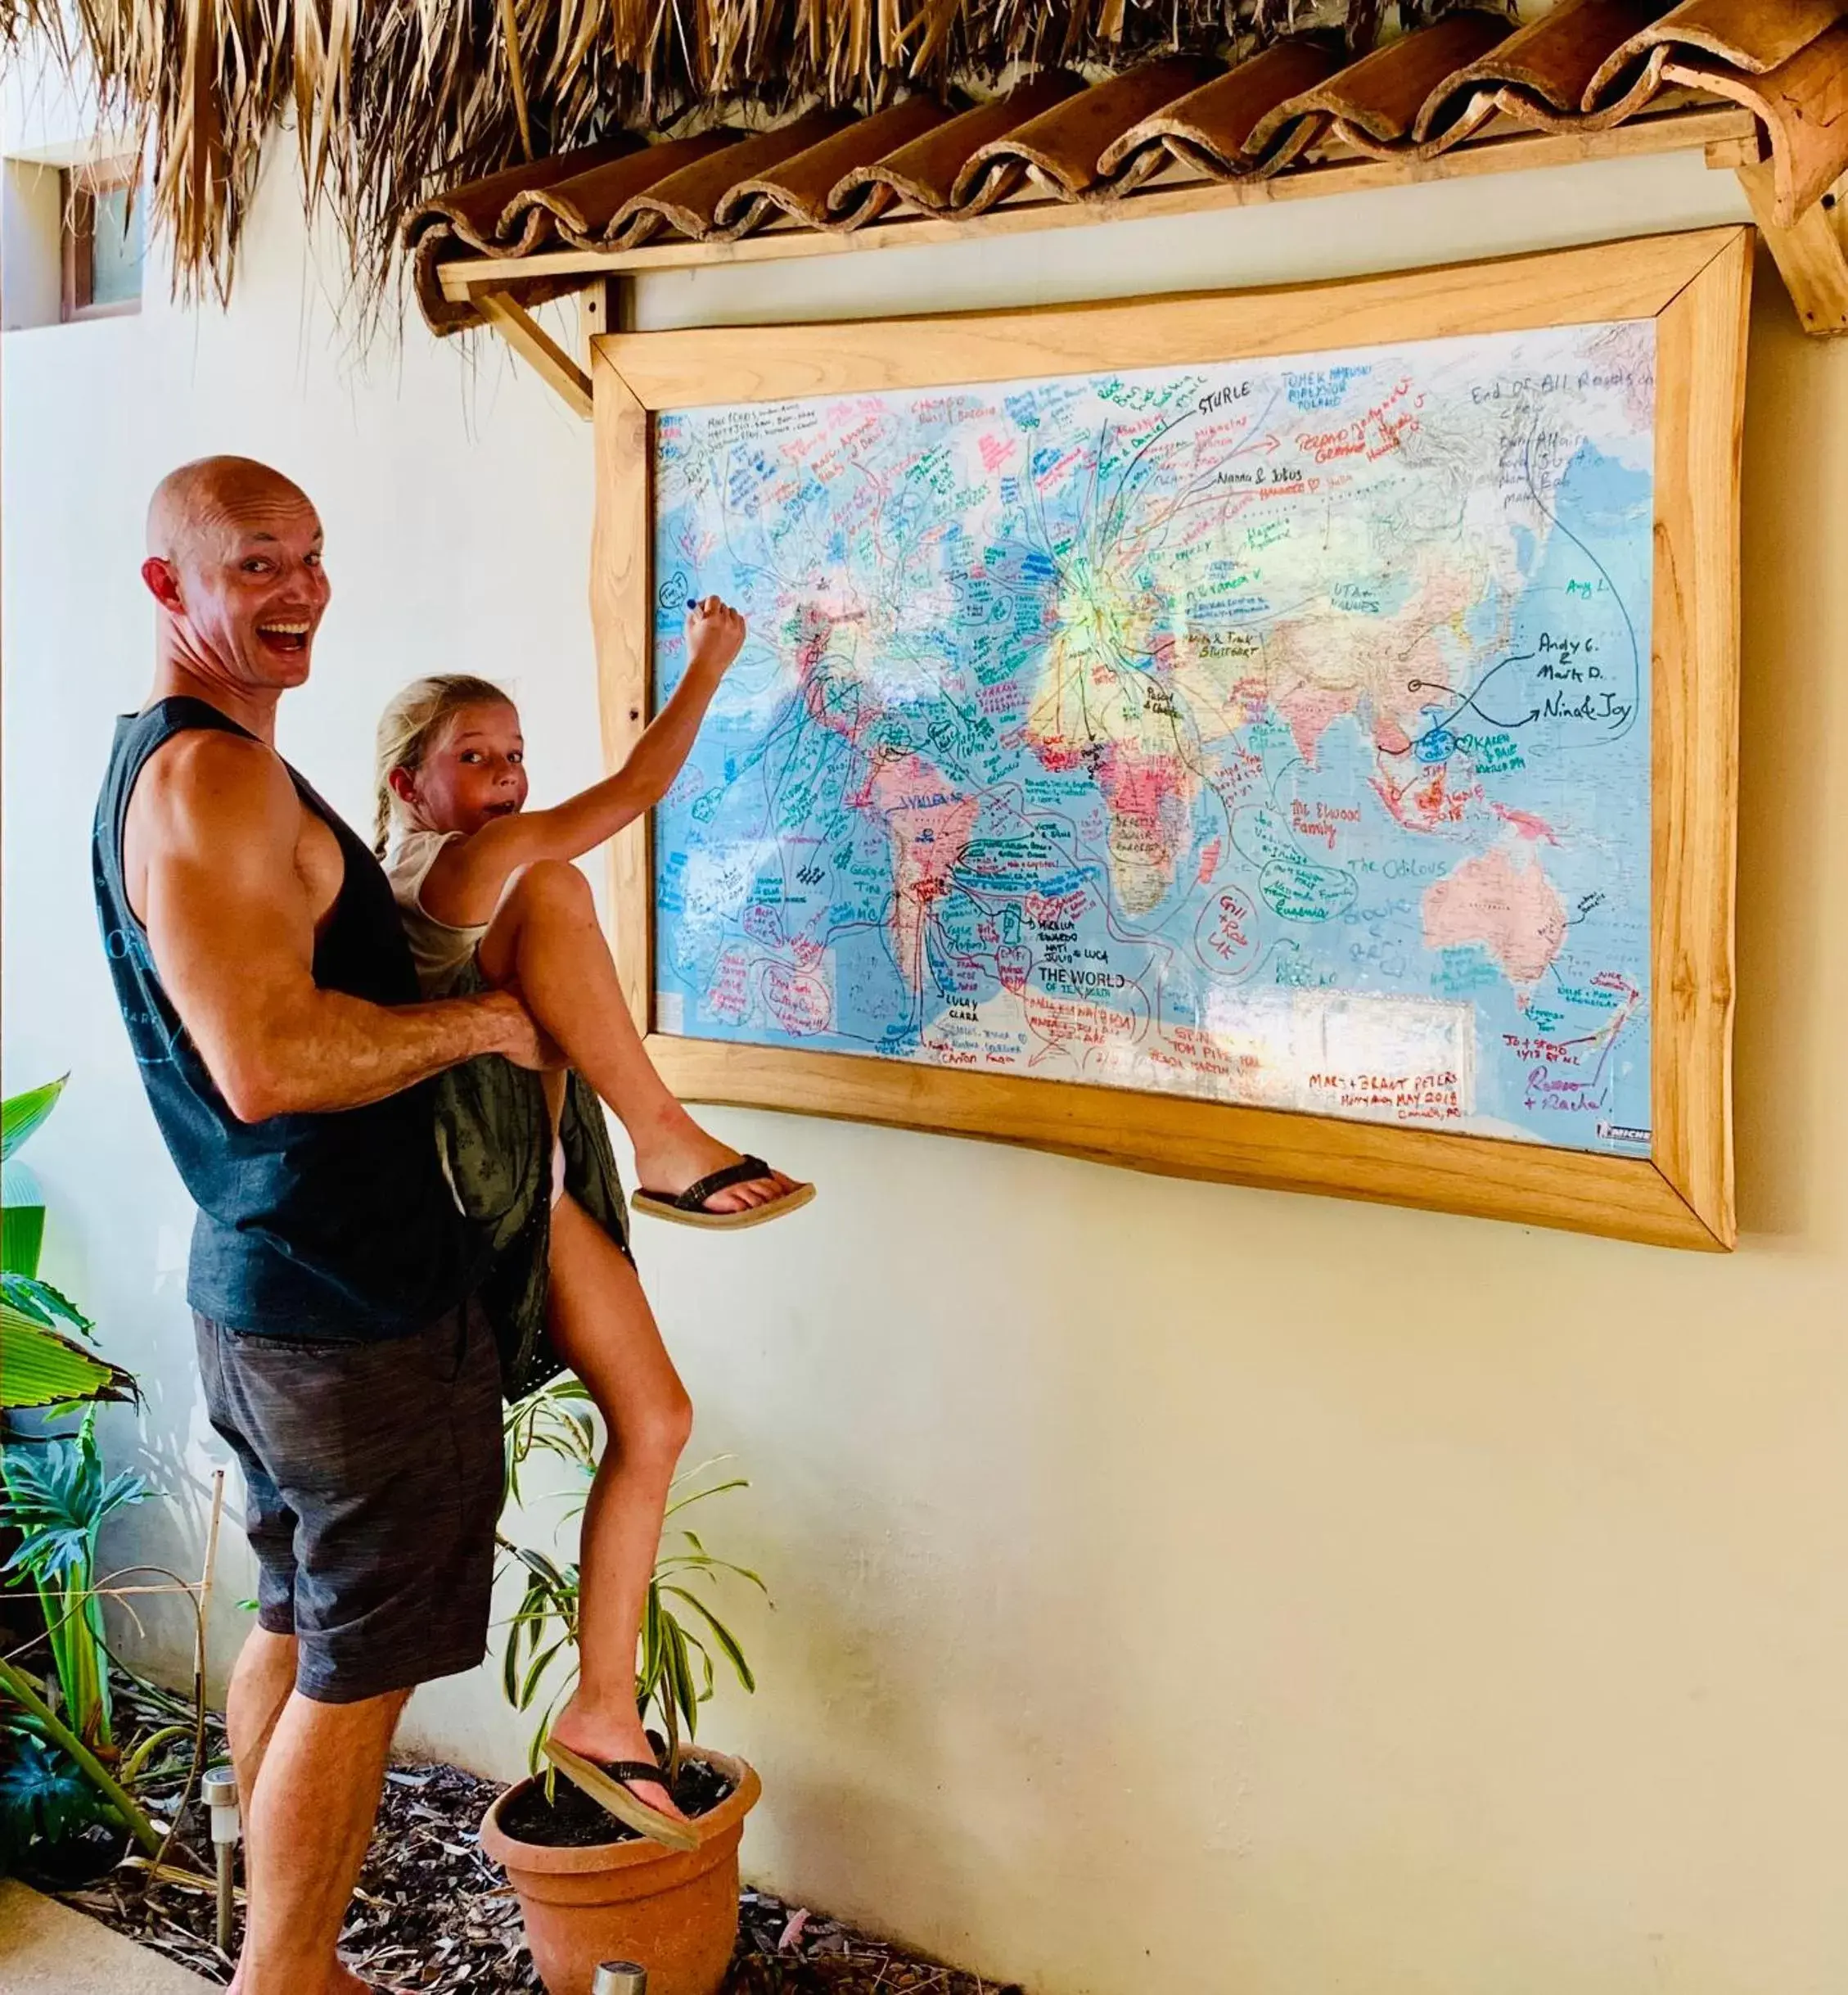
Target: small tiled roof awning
[[1470, 79]]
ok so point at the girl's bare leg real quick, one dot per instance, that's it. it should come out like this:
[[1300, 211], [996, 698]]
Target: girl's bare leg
[[605, 1331], [545, 940]]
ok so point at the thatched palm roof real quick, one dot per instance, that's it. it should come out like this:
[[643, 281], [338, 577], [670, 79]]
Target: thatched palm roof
[[391, 99], [395, 101]]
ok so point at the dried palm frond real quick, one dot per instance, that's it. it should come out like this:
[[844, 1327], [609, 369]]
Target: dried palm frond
[[391, 100]]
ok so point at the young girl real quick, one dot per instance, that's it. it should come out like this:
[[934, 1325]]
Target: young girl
[[487, 893]]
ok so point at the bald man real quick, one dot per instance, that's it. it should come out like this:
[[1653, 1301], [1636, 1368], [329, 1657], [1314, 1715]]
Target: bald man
[[269, 993]]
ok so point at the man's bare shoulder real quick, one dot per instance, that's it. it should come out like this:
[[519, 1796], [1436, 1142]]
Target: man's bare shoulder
[[206, 782]]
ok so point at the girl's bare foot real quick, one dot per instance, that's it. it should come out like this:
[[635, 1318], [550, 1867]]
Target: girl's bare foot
[[606, 1736], [679, 1153]]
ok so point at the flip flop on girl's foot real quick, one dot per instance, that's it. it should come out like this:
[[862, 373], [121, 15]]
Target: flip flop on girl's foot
[[605, 1786], [688, 1208]]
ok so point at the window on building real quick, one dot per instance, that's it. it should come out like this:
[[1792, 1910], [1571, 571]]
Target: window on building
[[102, 239]]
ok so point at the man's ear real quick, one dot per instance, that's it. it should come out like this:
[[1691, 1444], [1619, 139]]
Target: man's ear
[[163, 583]]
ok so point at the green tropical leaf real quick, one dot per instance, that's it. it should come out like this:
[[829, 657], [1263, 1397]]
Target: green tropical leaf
[[57, 1499], [20, 1114], [22, 1221], [44, 1794], [43, 1303], [144, 1753], [40, 1366]]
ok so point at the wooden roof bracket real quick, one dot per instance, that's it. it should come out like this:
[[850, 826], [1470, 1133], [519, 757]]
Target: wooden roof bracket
[[603, 306], [534, 345], [1811, 254]]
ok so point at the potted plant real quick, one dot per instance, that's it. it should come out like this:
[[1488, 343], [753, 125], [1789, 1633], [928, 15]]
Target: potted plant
[[67, 1801], [590, 1889]]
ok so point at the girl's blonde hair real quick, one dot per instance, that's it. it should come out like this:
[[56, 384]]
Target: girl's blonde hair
[[408, 726]]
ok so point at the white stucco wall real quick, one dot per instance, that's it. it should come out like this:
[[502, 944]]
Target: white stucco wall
[[1178, 1586]]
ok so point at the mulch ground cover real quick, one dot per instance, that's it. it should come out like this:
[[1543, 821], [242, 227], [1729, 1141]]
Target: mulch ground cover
[[431, 1914]]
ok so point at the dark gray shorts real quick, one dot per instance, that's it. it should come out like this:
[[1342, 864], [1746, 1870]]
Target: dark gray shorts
[[372, 1474]]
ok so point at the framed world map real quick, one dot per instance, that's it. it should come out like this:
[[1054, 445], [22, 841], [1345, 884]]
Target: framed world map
[[1284, 737]]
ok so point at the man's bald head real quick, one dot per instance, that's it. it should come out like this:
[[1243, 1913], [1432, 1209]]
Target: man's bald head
[[215, 496], [234, 562]]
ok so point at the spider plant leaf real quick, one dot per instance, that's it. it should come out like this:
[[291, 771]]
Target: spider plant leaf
[[537, 1561], [535, 1671], [680, 1673], [700, 1495], [649, 1671], [726, 1640]]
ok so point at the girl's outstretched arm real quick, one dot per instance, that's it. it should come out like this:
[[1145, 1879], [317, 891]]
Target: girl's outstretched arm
[[465, 884]]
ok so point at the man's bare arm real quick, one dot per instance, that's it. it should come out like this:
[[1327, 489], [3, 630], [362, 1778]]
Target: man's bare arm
[[216, 821]]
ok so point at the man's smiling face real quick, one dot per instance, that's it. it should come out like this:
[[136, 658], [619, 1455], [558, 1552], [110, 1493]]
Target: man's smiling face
[[238, 569]]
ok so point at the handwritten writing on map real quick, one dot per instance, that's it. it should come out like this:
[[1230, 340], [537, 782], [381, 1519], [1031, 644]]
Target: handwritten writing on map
[[1272, 732]]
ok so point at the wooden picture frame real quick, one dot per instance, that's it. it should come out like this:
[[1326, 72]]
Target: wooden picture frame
[[1695, 286]]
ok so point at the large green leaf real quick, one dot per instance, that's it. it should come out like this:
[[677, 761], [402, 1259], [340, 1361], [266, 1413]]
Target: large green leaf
[[57, 1496], [22, 1230], [41, 1367], [20, 1114], [45, 1304], [43, 1793]]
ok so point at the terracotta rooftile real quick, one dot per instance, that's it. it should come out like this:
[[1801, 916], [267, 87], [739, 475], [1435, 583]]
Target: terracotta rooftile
[[433, 246], [584, 206], [1374, 103], [697, 201], [925, 171], [803, 185], [1206, 130], [1544, 73], [436, 245], [1755, 35], [1803, 104], [474, 210], [1061, 147]]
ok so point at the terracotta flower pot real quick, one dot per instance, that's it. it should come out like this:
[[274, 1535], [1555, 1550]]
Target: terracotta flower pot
[[674, 1912]]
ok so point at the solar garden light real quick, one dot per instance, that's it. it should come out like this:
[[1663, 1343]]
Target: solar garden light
[[619, 1978], [218, 1791]]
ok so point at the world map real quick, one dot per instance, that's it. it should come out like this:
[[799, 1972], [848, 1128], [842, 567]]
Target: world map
[[1271, 732]]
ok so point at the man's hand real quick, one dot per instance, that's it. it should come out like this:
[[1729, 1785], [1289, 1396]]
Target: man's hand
[[714, 636], [526, 1042]]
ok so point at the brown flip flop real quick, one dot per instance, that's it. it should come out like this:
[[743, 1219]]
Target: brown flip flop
[[605, 1786], [687, 1208]]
